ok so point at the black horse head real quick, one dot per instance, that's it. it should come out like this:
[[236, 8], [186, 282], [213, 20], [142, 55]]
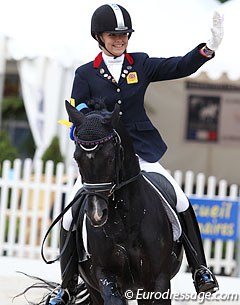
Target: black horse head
[[99, 155]]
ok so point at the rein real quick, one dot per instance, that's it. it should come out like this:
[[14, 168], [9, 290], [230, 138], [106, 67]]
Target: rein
[[80, 196]]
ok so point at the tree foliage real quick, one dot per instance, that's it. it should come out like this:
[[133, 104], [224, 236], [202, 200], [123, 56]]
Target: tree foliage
[[12, 107], [7, 150], [53, 153]]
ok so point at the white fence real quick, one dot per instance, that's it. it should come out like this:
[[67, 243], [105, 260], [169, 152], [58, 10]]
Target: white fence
[[30, 200]]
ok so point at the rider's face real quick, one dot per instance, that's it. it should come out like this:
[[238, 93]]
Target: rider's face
[[115, 43]]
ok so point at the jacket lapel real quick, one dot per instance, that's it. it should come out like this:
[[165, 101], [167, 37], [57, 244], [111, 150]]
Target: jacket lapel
[[103, 72], [126, 68]]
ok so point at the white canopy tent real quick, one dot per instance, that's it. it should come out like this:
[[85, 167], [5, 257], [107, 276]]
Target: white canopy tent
[[49, 39]]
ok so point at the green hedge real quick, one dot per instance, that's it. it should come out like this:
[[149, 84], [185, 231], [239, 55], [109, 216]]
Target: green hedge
[[53, 153]]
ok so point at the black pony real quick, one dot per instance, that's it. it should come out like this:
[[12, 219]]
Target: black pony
[[129, 235]]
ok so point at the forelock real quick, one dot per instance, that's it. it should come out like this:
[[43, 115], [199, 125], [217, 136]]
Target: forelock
[[92, 128]]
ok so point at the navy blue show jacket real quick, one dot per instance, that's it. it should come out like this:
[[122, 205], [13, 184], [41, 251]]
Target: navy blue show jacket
[[93, 80]]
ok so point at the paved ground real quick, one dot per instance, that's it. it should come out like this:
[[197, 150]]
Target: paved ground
[[13, 283]]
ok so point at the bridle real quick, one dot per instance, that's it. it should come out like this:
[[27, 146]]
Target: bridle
[[117, 182], [103, 190]]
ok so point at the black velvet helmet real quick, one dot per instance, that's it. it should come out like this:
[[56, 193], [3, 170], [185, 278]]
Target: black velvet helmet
[[111, 18]]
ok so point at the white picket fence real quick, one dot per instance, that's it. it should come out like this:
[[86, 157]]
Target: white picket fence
[[30, 200]]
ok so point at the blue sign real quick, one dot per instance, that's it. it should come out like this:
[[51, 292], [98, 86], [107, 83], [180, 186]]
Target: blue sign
[[217, 219]]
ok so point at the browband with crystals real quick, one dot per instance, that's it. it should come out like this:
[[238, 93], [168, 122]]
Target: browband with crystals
[[94, 142]]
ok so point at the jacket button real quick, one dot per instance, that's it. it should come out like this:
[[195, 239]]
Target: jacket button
[[119, 102], [118, 89], [120, 113]]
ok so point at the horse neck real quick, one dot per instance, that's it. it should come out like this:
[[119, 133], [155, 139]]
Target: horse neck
[[130, 161]]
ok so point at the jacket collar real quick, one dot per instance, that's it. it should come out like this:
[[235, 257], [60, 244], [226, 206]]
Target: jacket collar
[[99, 59]]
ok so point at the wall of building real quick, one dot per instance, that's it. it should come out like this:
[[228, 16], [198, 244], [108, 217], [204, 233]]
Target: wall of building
[[167, 105]]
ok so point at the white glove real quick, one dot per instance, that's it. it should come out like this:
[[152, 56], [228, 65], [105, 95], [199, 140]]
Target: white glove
[[217, 32]]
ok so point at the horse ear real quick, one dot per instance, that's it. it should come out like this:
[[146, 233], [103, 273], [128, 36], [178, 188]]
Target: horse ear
[[75, 116], [113, 117]]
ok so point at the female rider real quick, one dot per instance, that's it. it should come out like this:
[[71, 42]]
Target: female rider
[[123, 78]]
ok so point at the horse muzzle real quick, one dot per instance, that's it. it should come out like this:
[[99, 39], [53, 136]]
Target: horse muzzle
[[96, 210]]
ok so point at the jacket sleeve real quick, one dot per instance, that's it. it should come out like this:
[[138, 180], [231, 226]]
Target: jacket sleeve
[[80, 89], [158, 69]]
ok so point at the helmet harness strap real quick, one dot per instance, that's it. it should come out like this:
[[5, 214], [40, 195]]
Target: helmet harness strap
[[102, 44]]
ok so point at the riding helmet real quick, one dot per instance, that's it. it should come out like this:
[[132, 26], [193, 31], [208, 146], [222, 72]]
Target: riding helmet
[[111, 18]]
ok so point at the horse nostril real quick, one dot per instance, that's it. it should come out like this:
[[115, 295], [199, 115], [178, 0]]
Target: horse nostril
[[100, 218], [100, 215], [97, 210]]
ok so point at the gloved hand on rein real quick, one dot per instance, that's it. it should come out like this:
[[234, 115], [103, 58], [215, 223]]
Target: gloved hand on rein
[[217, 32]]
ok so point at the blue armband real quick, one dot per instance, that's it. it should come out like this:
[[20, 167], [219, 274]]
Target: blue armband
[[79, 108]]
